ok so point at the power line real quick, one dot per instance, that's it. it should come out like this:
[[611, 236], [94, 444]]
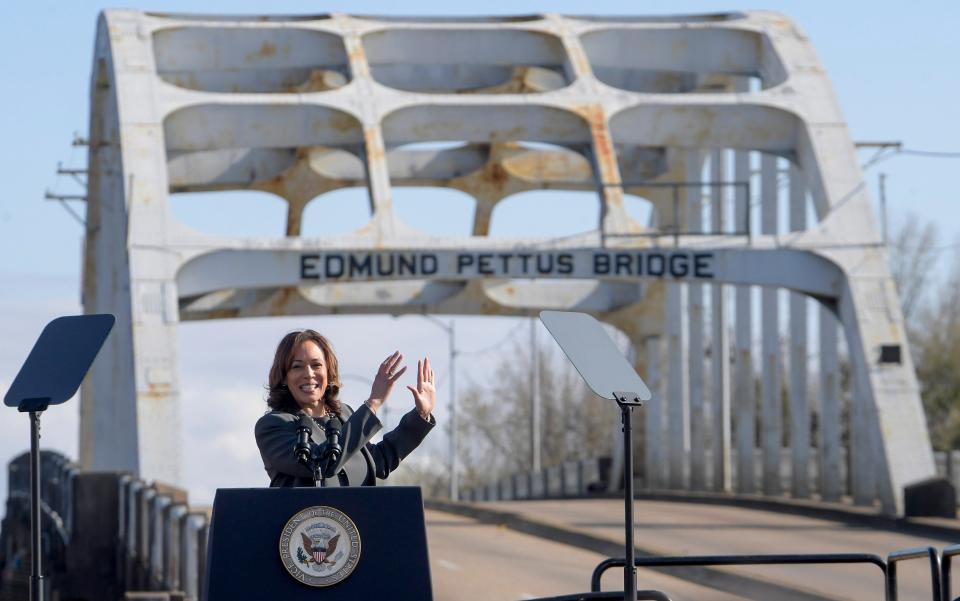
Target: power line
[[927, 154], [931, 153]]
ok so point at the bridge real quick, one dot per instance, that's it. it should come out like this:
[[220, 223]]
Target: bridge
[[731, 129], [112, 536], [723, 127]]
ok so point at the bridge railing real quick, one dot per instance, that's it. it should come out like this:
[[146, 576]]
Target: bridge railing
[[106, 535], [570, 479], [579, 478], [162, 540]]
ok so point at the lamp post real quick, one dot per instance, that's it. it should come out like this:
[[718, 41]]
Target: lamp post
[[535, 416], [450, 329]]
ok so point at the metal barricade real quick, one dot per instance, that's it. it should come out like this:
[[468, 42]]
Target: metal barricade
[[915, 553], [172, 517], [192, 554], [946, 559], [71, 483], [156, 533], [123, 511], [939, 577], [570, 478], [141, 578], [521, 486], [538, 486], [204, 556], [506, 489], [554, 482]]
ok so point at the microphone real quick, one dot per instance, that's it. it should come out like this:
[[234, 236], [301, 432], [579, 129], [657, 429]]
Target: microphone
[[302, 448], [332, 449]]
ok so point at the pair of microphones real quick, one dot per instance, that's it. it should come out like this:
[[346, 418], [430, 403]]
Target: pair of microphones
[[326, 456]]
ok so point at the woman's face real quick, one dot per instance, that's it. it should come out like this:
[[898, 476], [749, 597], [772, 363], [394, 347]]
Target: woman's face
[[307, 376]]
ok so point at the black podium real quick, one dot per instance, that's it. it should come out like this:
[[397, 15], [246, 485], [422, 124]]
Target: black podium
[[332, 544]]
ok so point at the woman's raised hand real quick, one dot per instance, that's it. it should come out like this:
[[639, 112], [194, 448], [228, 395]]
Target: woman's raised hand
[[389, 372], [425, 394]]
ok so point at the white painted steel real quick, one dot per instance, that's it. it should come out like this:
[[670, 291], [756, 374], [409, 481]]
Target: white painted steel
[[653, 416], [862, 452], [799, 409], [719, 344], [743, 389], [302, 106], [677, 399], [831, 485], [695, 345], [771, 431]]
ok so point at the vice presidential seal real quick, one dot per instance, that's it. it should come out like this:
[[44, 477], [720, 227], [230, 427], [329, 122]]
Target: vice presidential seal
[[320, 546]]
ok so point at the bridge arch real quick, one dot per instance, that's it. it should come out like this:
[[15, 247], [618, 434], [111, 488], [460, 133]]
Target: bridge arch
[[715, 233]]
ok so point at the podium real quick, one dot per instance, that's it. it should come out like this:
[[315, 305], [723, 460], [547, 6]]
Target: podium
[[332, 544]]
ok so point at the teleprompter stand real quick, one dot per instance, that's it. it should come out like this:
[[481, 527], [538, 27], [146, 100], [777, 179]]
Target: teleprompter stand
[[603, 368], [608, 374], [51, 375]]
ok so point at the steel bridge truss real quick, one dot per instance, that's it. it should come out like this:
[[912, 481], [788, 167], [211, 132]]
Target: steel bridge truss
[[301, 106]]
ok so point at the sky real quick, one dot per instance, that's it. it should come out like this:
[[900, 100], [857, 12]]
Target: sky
[[893, 68]]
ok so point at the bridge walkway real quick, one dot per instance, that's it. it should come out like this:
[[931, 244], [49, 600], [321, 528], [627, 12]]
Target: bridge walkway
[[475, 561], [685, 528]]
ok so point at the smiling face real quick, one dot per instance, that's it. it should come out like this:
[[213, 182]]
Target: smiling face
[[307, 377]]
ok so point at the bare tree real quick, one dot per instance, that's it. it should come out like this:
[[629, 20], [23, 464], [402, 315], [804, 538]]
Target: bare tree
[[496, 416], [932, 316], [913, 255], [937, 358]]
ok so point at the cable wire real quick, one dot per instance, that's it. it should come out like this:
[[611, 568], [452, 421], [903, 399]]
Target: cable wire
[[937, 154]]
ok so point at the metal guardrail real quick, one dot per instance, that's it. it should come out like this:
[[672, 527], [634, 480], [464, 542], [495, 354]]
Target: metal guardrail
[[160, 543], [163, 543], [570, 479], [946, 559], [916, 553], [939, 577]]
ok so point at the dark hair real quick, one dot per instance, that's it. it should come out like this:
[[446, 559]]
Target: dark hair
[[279, 397]]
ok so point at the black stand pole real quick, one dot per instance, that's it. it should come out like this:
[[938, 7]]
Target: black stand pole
[[35, 407], [36, 578], [629, 566], [52, 373]]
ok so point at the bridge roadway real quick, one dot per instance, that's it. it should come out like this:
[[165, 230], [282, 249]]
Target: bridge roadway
[[480, 559]]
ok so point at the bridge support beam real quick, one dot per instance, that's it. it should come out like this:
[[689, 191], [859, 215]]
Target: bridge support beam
[[831, 484], [745, 408], [771, 433], [719, 345], [694, 372], [799, 407], [653, 415]]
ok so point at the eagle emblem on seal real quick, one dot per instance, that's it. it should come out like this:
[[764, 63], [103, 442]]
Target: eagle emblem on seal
[[317, 550], [320, 546]]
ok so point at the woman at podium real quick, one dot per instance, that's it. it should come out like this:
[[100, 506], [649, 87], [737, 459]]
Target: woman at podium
[[310, 435]]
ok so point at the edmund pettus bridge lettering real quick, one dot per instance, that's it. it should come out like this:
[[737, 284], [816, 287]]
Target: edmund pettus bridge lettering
[[362, 265]]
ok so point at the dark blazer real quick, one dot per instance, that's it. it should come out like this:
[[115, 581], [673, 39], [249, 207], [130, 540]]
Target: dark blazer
[[362, 461]]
